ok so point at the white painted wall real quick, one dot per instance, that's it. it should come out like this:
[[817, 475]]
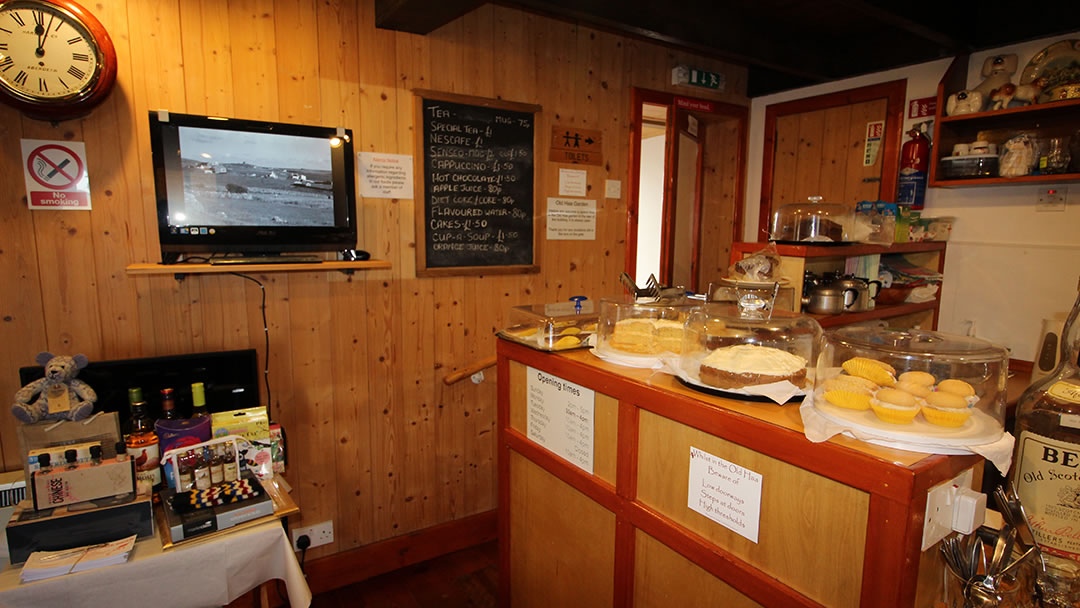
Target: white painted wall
[[650, 208], [1007, 266]]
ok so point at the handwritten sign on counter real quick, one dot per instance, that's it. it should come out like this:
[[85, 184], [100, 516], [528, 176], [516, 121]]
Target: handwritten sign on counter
[[726, 493], [477, 182], [560, 417]]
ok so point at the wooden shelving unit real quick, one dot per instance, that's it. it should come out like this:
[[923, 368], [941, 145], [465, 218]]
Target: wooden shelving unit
[[1044, 120], [182, 270], [795, 259]]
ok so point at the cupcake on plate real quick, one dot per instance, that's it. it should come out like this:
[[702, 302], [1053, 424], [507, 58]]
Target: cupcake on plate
[[878, 372], [848, 392], [946, 409], [917, 377], [895, 406]]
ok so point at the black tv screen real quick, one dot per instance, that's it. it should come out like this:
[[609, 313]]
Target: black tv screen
[[226, 185]]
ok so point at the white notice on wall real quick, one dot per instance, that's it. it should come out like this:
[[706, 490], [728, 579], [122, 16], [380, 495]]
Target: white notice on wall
[[385, 175], [560, 417], [726, 493], [613, 188], [571, 219], [573, 182]]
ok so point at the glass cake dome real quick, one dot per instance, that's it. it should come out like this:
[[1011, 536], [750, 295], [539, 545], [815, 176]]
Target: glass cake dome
[[916, 381], [731, 348]]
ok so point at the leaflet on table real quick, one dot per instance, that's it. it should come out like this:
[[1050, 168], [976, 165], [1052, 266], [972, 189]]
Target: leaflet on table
[[47, 564]]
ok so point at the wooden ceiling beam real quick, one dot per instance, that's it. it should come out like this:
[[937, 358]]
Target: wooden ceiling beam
[[948, 44]]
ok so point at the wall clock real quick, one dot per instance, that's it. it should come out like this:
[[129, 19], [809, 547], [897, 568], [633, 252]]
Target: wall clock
[[56, 59]]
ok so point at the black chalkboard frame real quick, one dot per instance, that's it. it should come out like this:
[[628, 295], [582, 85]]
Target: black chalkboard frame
[[422, 199]]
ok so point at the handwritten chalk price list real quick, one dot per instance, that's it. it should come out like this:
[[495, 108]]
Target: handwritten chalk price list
[[726, 493], [560, 417], [478, 185]]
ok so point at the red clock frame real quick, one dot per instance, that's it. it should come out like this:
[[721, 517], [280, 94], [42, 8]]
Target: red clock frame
[[71, 107]]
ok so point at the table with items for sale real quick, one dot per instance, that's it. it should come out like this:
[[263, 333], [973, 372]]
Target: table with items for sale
[[209, 570]]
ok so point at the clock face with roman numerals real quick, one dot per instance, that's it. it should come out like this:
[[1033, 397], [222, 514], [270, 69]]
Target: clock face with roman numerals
[[55, 57]]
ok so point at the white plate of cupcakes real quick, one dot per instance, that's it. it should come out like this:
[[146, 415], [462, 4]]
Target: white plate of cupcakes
[[868, 395]]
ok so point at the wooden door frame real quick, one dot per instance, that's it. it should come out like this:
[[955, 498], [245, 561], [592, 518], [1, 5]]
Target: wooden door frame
[[895, 92], [671, 194], [638, 96]]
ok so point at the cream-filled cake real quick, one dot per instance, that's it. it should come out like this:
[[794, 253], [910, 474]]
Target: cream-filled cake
[[749, 364], [646, 336]]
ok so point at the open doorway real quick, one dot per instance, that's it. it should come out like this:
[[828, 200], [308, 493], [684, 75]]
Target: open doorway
[[686, 184]]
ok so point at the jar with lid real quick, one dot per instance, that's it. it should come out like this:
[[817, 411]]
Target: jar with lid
[[813, 222]]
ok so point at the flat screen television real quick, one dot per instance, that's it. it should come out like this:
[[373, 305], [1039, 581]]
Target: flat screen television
[[234, 186]]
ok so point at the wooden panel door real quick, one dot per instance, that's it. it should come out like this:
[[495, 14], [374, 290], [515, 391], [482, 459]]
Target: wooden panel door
[[817, 147]]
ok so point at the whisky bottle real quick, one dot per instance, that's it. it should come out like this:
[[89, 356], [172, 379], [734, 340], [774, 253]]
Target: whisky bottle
[[168, 404], [217, 466], [1046, 468], [202, 470], [229, 468], [142, 444]]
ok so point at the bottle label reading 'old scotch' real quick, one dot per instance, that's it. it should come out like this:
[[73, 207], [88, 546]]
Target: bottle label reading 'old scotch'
[[1048, 482]]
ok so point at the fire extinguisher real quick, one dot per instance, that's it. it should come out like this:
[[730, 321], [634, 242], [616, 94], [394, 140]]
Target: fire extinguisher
[[914, 164]]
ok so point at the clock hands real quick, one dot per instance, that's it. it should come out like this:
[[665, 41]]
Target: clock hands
[[43, 34]]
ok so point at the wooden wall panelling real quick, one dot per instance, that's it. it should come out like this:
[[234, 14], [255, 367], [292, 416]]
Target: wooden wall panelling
[[834, 155], [296, 33], [808, 157], [478, 58], [857, 189], [785, 161], [448, 74], [339, 90], [609, 96], [65, 267], [22, 326]]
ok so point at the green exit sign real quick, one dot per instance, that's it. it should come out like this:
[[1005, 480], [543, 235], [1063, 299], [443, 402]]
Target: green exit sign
[[694, 77]]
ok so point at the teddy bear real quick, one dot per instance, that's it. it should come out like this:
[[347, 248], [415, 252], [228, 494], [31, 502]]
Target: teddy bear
[[59, 395]]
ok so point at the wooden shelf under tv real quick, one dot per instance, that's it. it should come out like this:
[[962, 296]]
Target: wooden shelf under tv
[[181, 270]]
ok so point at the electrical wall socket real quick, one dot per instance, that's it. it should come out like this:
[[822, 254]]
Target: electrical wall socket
[[319, 534], [941, 501]]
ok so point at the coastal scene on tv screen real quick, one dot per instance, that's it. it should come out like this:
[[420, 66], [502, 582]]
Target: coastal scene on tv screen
[[254, 179]]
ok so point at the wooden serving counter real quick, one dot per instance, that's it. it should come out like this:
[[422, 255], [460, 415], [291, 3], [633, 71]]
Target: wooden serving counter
[[840, 522]]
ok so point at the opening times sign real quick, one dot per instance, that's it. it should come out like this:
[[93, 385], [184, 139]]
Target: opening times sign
[[55, 174]]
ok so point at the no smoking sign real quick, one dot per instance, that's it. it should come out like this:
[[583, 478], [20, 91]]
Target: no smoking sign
[[55, 174]]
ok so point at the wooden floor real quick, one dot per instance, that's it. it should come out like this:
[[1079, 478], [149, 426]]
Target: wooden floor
[[466, 579]]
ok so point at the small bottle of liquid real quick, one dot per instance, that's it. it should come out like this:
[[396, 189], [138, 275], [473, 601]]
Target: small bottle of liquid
[[198, 401], [187, 471], [231, 473], [168, 405], [72, 458], [202, 471], [95, 454], [44, 463], [217, 466]]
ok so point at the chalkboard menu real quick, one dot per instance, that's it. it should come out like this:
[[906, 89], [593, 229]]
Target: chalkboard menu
[[477, 185]]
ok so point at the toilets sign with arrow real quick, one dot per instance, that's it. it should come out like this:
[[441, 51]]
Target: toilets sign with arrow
[[579, 146], [55, 174]]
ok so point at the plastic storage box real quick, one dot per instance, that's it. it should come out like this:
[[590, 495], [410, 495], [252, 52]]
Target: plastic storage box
[[552, 327], [973, 165], [813, 222]]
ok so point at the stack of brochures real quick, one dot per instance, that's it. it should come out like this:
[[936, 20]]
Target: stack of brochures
[[47, 564]]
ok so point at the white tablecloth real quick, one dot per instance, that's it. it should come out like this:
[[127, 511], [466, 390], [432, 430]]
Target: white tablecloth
[[208, 573]]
